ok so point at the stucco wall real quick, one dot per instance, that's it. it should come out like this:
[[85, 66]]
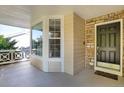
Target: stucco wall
[[90, 32]]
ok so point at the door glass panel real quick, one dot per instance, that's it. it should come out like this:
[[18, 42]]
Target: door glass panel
[[112, 40], [103, 40], [103, 56], [108, 43], [112, 57]]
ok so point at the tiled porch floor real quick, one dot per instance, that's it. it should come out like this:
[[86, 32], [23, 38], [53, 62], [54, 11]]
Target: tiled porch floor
[[25, 75]]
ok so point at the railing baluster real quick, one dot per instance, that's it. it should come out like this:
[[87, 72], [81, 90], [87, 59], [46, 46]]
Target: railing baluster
[[11, 53], [11, 56]]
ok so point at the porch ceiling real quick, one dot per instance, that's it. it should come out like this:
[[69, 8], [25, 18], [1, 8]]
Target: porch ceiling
[[15, 15], [85, 11], [20, 15]]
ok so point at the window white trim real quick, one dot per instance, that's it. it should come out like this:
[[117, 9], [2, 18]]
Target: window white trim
[[57, 59]]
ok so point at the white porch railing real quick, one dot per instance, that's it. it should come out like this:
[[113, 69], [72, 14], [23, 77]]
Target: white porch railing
[[11, 56]]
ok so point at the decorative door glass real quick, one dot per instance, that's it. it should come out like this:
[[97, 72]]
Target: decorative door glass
[[108, 43]]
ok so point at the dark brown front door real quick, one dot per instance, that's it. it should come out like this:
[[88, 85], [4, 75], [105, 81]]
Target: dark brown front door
[[108, 43]]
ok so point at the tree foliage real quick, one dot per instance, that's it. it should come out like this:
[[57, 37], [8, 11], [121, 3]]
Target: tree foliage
[[7, 43]]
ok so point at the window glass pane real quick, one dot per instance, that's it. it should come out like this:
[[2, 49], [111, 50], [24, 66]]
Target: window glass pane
[[54, 28], [54, 41], [37, 39], [57, 22], [51, 22], [57, 28], [51, 28], [55, 34], [54, 48]]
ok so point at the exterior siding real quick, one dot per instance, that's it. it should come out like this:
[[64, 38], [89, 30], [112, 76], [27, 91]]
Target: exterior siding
[[79, 47], [74, 50], [68, 43]]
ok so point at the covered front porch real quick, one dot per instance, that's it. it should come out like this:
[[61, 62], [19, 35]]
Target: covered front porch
[[23, 74], [62, 47]]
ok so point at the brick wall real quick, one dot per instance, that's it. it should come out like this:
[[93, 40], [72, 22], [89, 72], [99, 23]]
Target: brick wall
[[90, 33]]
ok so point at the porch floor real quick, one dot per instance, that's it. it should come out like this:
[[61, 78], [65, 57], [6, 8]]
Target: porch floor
[[25, 75]]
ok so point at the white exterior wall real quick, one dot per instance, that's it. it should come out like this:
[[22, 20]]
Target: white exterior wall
[[72, 58], [49, 64]]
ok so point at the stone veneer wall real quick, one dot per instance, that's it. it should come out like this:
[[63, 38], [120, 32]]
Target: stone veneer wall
[[90, 33]]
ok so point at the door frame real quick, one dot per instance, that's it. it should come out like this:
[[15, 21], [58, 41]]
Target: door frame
[[120, 73]]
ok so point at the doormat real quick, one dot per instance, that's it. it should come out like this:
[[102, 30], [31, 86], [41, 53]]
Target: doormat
[[108, 75]]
